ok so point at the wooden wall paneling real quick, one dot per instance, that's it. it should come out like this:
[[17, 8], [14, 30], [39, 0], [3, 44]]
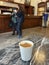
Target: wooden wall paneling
[[29, 22], [1, 25], [31, 10], [32, 21], [6, 23]]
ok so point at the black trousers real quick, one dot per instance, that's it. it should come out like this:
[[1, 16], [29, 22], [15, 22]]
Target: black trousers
[[17, 27], [14, 28]]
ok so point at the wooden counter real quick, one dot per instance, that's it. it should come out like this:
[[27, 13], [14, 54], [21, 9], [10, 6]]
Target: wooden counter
[[4, 21], [32, 21], [29, 22]]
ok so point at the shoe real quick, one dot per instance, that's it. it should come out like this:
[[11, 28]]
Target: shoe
[[13, 34]]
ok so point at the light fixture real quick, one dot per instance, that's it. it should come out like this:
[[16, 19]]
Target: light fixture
[[1, 2]]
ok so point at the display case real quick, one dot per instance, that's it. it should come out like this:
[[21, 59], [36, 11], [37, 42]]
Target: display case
[[47, 6], [28, 9], [4, 9], [41, 8]]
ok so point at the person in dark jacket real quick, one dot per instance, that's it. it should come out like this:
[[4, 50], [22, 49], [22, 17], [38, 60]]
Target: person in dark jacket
[[14, 20], [20, 20]]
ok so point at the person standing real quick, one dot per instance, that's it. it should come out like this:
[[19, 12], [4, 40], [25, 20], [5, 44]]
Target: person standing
[[45, 18], [14, 20], [20, 20]]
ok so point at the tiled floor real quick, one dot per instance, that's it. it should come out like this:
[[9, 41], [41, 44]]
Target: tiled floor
[[11, 54], [6, 39]]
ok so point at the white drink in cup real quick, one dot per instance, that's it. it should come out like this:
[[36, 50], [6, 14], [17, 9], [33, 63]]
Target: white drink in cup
[[26, 48]]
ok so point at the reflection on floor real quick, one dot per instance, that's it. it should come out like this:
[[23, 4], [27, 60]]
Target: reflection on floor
[[6, 39]]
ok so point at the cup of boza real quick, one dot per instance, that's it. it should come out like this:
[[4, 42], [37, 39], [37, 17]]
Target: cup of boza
[[26, 48]]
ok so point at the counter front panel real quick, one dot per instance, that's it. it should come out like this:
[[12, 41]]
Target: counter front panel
[[29, 22]]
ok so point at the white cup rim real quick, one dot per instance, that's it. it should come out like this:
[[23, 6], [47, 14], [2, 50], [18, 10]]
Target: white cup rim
[[30, 42]]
